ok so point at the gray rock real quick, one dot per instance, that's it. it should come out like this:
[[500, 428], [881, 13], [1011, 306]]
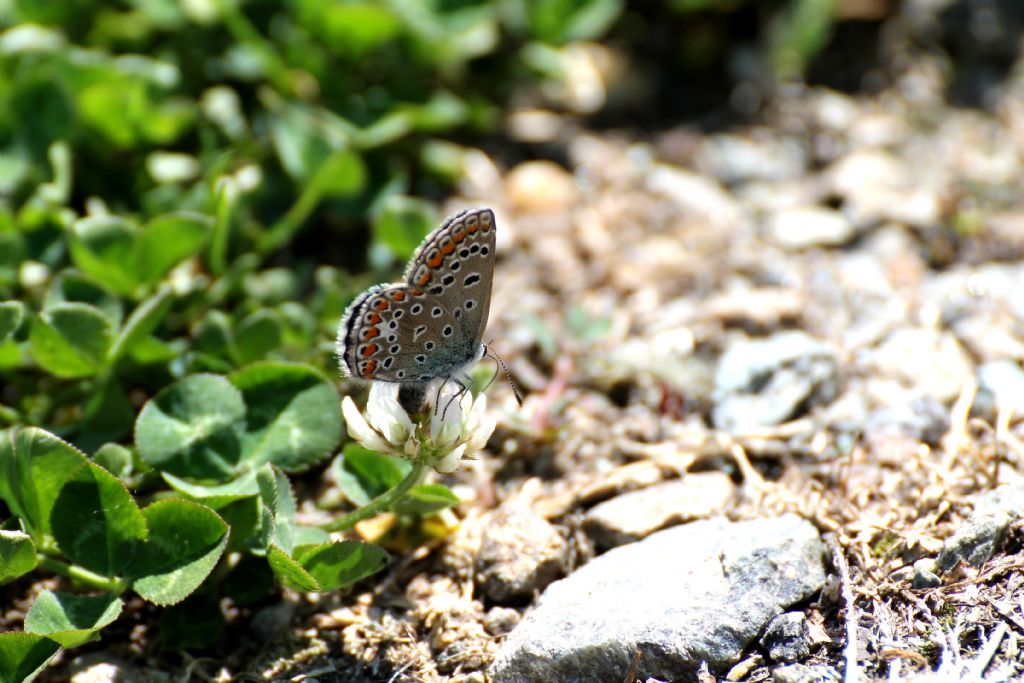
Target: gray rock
[[801, 673], [785, 639], [807, 227], [928, 361], [764, 382], [980, 536], [921, 418], [925, 575], [693, 593], [520, 553], [635, 515], [735, 159], [500, 621]]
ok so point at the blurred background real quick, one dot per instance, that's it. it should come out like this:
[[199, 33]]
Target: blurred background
[[303, 149]]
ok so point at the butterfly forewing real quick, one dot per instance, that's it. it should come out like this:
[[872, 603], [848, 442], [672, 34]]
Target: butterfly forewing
[[432, 325]]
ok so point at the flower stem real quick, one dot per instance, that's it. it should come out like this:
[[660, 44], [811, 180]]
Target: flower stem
[[82, 575], [380, 503]]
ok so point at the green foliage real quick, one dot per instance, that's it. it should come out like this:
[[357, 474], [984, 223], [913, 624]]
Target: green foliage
[[23, 656]]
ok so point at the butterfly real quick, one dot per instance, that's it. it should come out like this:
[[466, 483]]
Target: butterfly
[[431, 325]]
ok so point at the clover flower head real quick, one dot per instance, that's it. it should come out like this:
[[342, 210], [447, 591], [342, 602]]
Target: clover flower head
[[455, 428]]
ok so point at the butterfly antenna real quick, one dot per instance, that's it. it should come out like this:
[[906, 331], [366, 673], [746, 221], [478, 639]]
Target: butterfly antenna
[[515, 389]]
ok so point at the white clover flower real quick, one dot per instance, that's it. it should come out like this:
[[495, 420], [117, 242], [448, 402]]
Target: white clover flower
[[452, 430]]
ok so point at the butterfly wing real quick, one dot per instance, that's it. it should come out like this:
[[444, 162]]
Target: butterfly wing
[[455, 264], [433, 323]]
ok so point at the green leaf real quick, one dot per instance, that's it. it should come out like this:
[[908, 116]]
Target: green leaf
[[193, 428], [426, 499], [362, 475], [293, 416], [141, 323], [17, 555], [561, 21], [24, 655], [185, 542], [34, 466], [334, 565], [71, 285], [216, 496], [71, 340], [104, 247], [279, 503], [114, 458], [310, 535], [11, 315], [342, 174], [96, 521], [108, 416], [168, 240], [290, 573], [71, 620], [402, 223], [258, 334]]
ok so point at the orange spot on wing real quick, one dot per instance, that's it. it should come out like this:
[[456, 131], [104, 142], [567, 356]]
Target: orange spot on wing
[[374, 318], [398, 295], [447, 247], [417, 291], [381, 304], [371, 365], [370, 332], [436, 260], [459, 235], [472, 227], [369, 350]]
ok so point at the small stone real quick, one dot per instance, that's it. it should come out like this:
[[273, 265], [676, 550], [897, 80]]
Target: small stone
[[809, 226], [520, 553], [500, 621], [785, 639], [902, 575], [922, 419], [742, 669], [736, 159], [765, 382], [638, 514], [925, 360], [695, 194], [925, 575], [802, 673], [1001, 384], [540, 186], [977, 539]]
